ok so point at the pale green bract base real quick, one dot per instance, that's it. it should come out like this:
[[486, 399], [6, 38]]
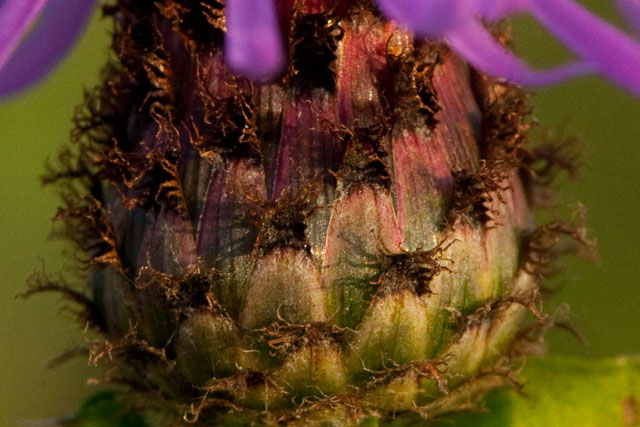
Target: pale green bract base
[[557, 392]]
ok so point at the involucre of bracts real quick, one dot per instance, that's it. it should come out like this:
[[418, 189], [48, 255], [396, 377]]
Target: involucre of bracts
[[352, 241]]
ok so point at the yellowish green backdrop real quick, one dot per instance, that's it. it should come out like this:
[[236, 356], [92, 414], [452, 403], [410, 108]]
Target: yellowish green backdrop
[[604, 297]]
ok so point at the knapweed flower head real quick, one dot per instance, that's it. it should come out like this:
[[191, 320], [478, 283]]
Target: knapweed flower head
[[34, 36], [350, 243]]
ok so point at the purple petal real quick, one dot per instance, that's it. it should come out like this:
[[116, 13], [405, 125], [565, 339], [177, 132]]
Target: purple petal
[[58, 26], [631, 10], [16, 16], [496, 9], [253, 46], [431, 18], [457, 21], [611, 52], [474, 43]]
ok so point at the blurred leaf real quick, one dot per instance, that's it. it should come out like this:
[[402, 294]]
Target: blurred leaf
[[565, 392], [104, 409]]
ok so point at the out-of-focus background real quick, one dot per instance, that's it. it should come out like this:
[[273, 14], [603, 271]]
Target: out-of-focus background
[[604, 297]]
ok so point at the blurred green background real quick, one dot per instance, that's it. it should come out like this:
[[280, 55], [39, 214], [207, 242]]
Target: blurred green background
[[604, 297]]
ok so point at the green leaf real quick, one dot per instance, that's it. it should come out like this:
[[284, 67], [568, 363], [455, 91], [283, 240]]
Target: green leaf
[[104, 409], [565, 392]]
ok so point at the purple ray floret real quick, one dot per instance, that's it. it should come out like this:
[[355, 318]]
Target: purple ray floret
[[441, 15], [254, 47], [631, 10], [35, 35], [599, 46], [15, 18], [252, 41], [457, 22], [611, 52]]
